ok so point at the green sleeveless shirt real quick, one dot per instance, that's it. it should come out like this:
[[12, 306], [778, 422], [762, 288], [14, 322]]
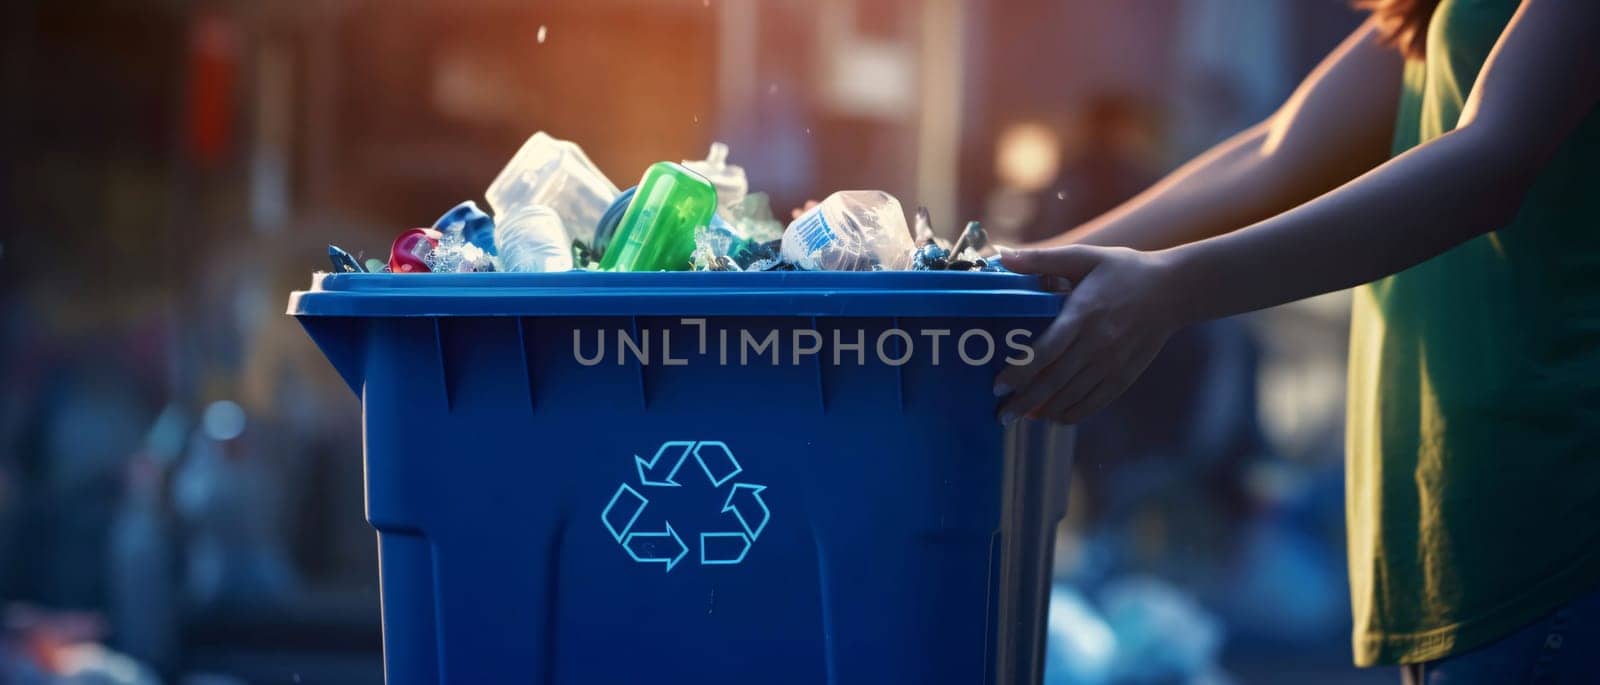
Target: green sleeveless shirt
[[1473, 476]]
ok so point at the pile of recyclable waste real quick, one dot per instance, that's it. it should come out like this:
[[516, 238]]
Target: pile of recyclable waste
[[551, 209]]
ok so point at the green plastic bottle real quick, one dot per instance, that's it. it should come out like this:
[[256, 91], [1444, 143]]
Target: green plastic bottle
[[657, 231]]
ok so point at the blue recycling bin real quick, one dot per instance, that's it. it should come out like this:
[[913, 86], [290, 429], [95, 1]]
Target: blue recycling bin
[[699, 477]]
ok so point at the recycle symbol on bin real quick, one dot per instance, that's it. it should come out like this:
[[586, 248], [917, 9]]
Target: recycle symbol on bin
[[748, 511]]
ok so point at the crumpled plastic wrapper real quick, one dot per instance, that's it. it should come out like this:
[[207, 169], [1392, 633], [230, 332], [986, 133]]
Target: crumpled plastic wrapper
[[757, 253], [971, 251], [584, 258], [455, 255], [769, 259], [711, 246], [753, 219], [932, 257], [720, 247]]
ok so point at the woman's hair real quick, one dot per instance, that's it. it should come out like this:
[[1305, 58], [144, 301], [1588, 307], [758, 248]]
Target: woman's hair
[[1402, 23]]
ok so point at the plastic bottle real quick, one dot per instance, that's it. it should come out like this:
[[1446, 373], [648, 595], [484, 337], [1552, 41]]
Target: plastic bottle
[[532, 239], [554, 173], [852, 230], [657, 231], [729, 180]]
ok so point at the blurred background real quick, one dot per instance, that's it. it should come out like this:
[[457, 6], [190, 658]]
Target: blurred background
[[180, 471]]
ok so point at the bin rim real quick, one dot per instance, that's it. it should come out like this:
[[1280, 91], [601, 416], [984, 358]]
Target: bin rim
[[679, 293]]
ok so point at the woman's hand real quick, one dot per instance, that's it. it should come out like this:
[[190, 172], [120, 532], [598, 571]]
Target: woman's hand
[[1121, 311]]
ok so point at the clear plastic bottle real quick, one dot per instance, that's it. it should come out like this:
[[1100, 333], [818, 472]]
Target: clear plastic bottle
[[554, 173], [852, 230], [531, 239], [729, 179]]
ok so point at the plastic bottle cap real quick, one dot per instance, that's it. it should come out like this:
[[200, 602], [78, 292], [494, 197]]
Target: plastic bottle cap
[[717, 155]]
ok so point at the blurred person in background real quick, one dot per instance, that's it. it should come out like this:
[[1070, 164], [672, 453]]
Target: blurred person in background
[[1465, 211]]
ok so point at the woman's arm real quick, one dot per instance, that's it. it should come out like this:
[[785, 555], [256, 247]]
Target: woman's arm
[[1539, 82], [1336, 125]]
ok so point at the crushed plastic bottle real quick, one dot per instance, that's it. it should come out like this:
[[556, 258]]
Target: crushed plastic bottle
[[711, 247], [555, 173], [729, 180], [768, 257], [852, 230], [532, 239], [720, 247], [455, 255]]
